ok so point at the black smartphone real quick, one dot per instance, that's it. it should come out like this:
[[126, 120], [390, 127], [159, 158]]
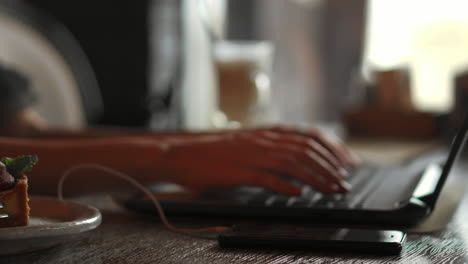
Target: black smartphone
[[369, 241]]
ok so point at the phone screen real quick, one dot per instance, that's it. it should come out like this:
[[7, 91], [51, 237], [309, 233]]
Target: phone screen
[[325, 233]]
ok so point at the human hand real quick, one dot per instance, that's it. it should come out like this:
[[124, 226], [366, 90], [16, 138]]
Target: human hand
[[263, 157], [333, 144]]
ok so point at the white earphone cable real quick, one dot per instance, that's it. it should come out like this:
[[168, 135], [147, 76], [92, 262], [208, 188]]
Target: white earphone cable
[[139, 186]]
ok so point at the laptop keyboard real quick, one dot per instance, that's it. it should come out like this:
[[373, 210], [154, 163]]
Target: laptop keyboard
[[363, 180]]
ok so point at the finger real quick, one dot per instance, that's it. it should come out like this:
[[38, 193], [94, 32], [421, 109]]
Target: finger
[[337, 178], [243, 176], [320, 182], [324, 181], [229, 167], [195, 173], [336, 148], [306, 145], [260, 153], [268, 181], [284, 158]]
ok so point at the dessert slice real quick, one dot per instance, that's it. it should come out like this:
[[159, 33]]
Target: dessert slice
[[14, 209]]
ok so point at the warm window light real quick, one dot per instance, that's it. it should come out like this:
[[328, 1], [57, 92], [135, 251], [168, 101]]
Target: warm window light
[[430, 37]]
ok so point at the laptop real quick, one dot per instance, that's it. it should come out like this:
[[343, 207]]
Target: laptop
[[400, 195]]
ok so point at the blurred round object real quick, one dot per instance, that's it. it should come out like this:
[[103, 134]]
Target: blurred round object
[[47, 54]]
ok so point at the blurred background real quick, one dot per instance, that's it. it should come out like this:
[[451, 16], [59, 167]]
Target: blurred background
[[378, 68]]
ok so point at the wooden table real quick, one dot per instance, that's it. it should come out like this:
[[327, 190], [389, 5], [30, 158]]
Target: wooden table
[[125, 237]]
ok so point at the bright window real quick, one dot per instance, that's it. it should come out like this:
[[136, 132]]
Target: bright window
[[429, 37]]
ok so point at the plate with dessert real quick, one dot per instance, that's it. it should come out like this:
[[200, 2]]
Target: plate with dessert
[[33, 223]]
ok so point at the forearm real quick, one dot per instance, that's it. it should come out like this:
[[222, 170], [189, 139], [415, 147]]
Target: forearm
[[114, 132], [141, 159]]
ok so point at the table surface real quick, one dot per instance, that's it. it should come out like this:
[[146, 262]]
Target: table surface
[[125, 237]]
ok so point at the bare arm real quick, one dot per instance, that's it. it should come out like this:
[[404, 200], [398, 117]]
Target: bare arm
[[137, 157], [193, 159]]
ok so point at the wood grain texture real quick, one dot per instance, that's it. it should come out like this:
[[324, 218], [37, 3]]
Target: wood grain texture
[[130, 238], [126, 237]]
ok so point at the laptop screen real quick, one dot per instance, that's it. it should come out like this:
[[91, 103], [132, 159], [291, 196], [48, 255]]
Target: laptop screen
[[457, 144]]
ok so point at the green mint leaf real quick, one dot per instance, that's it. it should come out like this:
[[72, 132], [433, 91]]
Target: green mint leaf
[[19, 165]]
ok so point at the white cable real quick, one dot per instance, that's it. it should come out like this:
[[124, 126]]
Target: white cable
[[139, 186]]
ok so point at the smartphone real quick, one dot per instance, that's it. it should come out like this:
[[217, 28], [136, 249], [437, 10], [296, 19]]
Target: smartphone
[[372, 241]]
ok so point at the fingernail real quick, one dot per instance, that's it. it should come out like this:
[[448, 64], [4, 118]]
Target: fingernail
[[345, 186], [343, 173]]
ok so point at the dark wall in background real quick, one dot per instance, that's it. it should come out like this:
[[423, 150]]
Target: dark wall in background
[[114, 35], [241, 20]]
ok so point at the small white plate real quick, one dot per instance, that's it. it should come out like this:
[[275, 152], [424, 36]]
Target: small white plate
[[52, 221]]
